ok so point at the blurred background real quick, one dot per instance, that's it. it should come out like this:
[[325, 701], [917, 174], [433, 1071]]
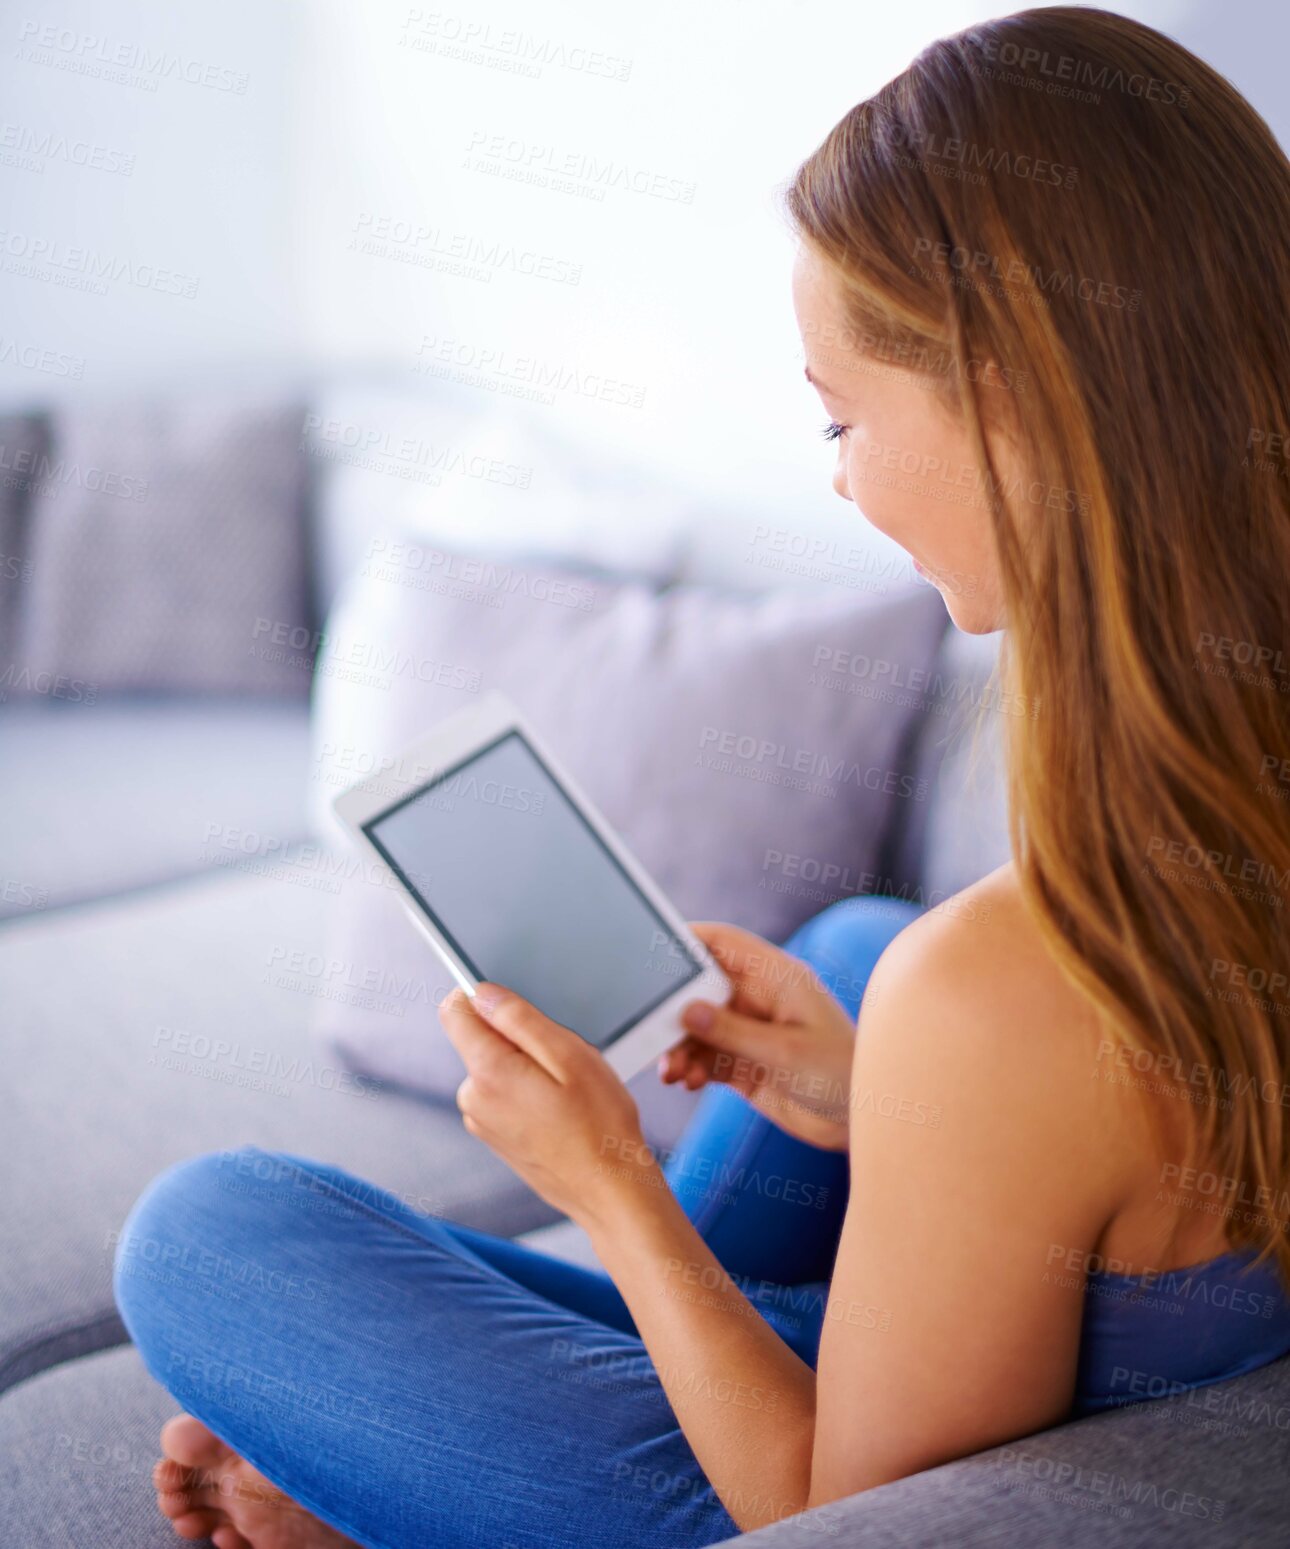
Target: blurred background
[[506, 194]]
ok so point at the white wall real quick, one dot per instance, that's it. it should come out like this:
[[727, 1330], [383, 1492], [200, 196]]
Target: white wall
[[124, 137], [355, 115]]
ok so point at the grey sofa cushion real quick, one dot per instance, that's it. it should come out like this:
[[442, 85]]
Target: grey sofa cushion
[[753, 778], [168, 552], [1204, 1467], [1207, 1468], [1203, 1470], [99, 799], [77, 1445], [23, 438], [168, 1023]]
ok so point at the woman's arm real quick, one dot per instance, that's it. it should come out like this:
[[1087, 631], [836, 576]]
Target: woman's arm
[[745, 1402], [976, 1166], [982, 1163], [547, 1103]]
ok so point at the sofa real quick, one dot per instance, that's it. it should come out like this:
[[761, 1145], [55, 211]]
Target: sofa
[[163, 900]]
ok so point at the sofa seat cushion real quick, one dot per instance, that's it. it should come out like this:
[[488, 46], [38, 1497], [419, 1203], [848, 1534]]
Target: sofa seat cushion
[[77, 1445], [172, 1022], [102, 798], [1206, 1469]]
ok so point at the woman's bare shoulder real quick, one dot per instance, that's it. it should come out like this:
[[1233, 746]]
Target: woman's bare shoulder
[[968, 1024], [968, 1006], [981, 955]]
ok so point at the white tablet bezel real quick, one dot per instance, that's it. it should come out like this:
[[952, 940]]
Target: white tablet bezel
[[454, 741]]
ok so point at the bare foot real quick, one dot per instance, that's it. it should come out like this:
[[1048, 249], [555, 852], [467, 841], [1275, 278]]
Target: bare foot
[[207, 1491]]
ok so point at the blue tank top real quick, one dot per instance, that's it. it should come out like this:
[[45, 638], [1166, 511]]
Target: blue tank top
[[1159, 1334]]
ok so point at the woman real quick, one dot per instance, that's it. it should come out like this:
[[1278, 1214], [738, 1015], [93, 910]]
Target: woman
[[1044, 293]]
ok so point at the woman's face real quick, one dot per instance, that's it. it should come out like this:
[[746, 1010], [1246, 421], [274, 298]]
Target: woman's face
[[903, 457]]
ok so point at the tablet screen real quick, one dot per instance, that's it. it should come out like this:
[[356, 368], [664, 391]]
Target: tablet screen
[[522, 887]]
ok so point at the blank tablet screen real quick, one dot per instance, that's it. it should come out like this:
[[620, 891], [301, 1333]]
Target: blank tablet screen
[[523, 889]]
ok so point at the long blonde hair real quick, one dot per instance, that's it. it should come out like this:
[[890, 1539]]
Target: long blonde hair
[[1074, 197]]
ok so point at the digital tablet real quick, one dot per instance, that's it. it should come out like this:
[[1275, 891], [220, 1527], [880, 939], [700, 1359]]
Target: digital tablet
[[512, 876]]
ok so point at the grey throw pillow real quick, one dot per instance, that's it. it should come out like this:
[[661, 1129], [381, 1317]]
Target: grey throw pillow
[[23, 439], [747, 748], [168, 552]]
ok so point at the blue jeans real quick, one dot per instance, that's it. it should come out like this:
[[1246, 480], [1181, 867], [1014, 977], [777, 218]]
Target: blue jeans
[[414, 1382]]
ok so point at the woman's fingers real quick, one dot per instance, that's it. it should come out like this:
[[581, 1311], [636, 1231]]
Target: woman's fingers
[[688, 1062], [480, 1047], [557, 1050], [742, 956], [732, 1033], [765, 979], [693, 1064]]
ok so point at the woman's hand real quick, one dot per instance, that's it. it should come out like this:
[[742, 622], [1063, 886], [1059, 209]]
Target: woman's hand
[[783, 1042], [547, 1103]]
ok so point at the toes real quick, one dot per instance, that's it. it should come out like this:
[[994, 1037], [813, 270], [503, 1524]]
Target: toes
[[195, 1524], [228, 1537], [169, 1477], [175, 1504], [187, 1441]]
